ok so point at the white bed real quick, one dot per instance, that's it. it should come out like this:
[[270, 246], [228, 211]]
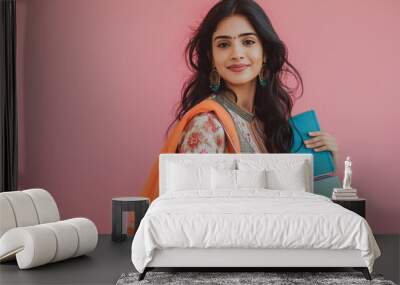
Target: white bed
[[203, 221]]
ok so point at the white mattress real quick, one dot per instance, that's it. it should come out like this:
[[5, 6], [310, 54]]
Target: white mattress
[[251, 218]]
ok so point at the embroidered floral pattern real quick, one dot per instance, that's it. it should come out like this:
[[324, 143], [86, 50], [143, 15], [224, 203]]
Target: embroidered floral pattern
[[243, 128], [247, 125], [203, 134]]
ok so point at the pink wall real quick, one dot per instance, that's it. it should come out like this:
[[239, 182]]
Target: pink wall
[[98, 81]]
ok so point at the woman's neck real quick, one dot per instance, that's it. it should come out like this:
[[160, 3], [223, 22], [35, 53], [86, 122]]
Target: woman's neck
[[245, 95]]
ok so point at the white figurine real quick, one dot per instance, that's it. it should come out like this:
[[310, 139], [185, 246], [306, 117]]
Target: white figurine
[[347, 174]]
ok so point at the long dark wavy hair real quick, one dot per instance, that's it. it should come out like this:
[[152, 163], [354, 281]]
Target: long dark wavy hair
[[273, 103]]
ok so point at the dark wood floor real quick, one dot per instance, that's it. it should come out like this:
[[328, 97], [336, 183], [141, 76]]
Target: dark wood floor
[[110, 260]]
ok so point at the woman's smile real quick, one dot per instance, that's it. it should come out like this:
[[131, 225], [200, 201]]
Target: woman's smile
[[238, 67]]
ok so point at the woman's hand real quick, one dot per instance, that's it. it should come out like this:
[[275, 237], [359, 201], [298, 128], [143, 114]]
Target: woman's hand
[[322, 141]]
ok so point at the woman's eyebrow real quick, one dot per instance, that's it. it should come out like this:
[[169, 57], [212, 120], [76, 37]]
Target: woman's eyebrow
[[229, 37]]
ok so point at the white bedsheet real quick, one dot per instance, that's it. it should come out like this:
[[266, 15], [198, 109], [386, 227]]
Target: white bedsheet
[[250, 218]]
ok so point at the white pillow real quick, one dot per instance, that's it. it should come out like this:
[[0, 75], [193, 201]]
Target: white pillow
[[294, 179], [181, 177], [223, 179], [236, 179], [281, 174], [251, 178]]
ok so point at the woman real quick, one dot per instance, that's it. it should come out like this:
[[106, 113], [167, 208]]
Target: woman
[[236, 100]]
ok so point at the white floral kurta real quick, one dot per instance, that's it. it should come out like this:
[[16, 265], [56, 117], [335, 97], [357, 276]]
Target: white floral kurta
[[205, 133]]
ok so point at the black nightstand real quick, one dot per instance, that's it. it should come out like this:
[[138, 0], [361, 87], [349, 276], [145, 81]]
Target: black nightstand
[[127, 212], [356, 205]]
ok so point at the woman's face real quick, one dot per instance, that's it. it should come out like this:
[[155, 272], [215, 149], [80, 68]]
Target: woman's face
[[237, 51]]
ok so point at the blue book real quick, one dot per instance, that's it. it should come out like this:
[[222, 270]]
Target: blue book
[[326, 185], [301, 125]]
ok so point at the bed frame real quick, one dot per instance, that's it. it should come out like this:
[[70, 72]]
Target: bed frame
[[249, 258], [246, 259]]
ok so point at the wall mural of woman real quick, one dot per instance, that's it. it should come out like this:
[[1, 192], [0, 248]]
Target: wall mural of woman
[[237, 100]]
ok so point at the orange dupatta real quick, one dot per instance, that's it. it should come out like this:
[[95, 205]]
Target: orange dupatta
[[151, 189]]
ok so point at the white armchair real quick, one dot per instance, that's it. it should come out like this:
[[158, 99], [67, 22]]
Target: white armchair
[[31, 230]]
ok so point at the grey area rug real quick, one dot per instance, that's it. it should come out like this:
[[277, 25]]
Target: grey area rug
[[270, 278]]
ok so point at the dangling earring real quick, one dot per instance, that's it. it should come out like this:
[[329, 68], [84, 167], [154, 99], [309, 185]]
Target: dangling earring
[[262, 76], [215, 80]]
